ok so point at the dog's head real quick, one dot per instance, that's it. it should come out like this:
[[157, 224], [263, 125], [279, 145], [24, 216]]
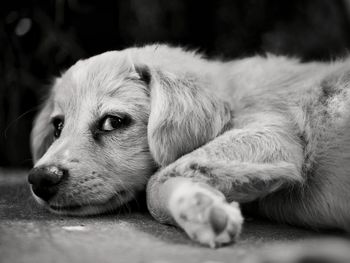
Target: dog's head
[[111, 120]]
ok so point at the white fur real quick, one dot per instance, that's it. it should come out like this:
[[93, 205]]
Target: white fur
[[265, 131]]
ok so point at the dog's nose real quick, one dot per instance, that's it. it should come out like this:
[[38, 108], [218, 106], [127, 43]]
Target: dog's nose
[[45, 180]]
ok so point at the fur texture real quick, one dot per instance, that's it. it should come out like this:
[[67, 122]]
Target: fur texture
[[268, 132]]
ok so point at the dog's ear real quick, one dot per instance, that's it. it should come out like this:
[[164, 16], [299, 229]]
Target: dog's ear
[[42, 133], [185, 113]]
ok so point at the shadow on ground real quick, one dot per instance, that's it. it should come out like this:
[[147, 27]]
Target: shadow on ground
[[30, 234]]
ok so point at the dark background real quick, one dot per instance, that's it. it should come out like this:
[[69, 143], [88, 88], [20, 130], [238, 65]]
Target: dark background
[[38, 39]]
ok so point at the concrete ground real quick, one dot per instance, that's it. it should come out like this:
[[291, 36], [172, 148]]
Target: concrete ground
[[30, 234]]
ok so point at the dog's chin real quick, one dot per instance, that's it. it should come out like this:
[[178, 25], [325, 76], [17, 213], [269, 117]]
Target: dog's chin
[[110, 205]]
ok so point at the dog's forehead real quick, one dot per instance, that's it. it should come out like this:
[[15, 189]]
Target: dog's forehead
[[104, 67], [97, 83], [97, 77]]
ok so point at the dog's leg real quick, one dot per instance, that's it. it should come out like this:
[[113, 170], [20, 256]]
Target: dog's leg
[[195, 195], [191, 192], [197, 208]]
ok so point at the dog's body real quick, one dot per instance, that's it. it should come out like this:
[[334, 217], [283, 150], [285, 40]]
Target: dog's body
[[267, 132]]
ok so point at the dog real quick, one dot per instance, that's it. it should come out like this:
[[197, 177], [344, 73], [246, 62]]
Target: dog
[[204, 138]]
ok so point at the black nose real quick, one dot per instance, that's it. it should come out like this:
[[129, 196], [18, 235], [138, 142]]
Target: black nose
[[45, 180]]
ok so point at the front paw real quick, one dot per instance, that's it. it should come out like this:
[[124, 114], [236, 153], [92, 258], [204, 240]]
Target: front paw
[[205, 215]]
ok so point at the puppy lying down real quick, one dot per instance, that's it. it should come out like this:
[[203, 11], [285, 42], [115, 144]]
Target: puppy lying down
[[201, 137]]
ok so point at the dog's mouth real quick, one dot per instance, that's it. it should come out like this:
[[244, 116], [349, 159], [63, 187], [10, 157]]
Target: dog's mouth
[[117, 200]]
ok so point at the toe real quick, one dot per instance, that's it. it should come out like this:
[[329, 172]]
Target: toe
[[218, 220]]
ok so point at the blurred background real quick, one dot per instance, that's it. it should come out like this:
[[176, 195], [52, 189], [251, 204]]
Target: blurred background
[[39, 39]]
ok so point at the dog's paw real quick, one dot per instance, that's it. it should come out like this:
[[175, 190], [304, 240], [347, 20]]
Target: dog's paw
[[205, 215]]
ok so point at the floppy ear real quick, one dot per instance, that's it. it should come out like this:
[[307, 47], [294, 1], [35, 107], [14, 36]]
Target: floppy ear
[[185, 114], [42, 133]]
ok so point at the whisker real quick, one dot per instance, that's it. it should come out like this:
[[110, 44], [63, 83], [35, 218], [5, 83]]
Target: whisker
[[17, 119], [130, 193]]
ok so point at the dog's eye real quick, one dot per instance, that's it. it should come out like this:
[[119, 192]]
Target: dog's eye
[[58, 126], [110, 123]]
